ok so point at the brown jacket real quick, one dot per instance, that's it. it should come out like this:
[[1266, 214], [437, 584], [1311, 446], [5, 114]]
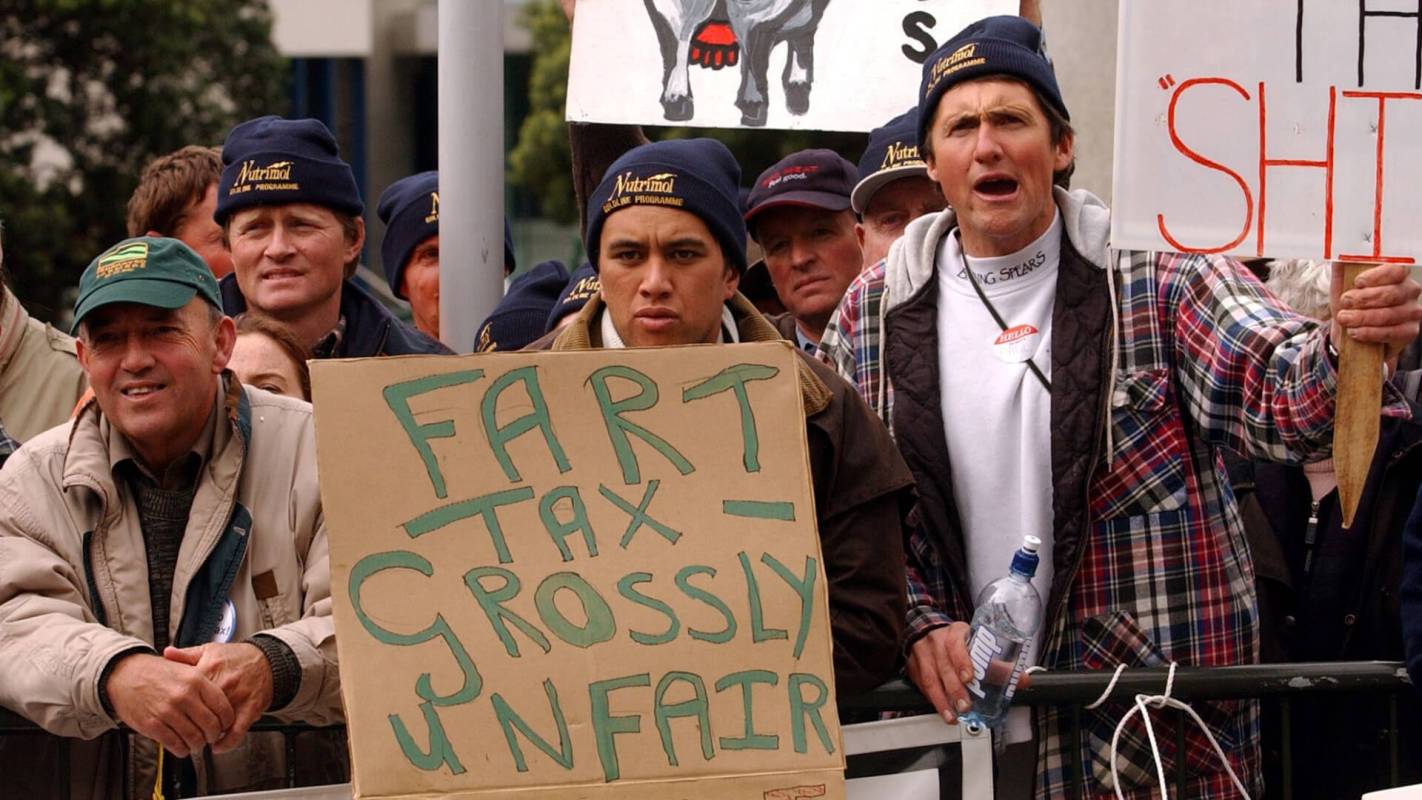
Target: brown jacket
[[863, 492], [74, 592], [40, 378]]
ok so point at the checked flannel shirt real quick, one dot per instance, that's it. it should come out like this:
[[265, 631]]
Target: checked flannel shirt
[[1166, 574]]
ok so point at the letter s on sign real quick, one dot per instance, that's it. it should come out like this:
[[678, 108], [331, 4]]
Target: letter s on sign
[[1201, 160], [917, 26]]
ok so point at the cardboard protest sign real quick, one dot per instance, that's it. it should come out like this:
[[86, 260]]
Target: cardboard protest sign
[[836, 65], [578, 575], [1283, 128]]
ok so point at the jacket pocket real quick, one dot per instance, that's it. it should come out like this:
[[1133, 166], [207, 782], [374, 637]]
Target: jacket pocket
[[1149, 449], [1117, 638], [271, 600]]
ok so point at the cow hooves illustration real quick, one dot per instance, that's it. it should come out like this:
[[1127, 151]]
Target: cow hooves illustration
[[753, 114], [797, 98], [680, 109]]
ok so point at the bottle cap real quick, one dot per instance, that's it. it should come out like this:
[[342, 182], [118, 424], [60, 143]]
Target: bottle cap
[[1025, 560]]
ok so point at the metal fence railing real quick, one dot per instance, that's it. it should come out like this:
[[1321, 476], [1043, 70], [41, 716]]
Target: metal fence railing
[[1282, 685]]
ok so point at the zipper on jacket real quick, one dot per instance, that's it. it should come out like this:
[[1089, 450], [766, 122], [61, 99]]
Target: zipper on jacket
[[1310, 537]]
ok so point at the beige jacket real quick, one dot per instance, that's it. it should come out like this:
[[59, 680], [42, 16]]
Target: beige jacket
[[40, 379], [73, 577]]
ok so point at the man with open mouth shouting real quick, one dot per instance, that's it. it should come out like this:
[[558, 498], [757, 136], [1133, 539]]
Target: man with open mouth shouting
[[1039, 382]]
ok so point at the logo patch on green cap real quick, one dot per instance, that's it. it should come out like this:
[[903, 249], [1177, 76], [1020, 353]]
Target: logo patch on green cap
[[121, 259]]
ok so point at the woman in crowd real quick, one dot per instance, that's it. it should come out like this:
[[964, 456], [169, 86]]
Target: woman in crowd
[[269, 357]]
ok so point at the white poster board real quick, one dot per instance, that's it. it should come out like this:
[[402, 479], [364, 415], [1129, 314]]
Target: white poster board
[[841, 65], [1280, 128]]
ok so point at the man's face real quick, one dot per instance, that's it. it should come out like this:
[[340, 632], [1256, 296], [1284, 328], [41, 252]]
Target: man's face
[[420, 283], [664, 277], [200, 231], [154, 372], [290, 259], [993, 157], [891, 209], [812, 255]]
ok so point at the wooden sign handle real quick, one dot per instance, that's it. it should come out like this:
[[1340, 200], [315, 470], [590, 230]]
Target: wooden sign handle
[[1356, 415]]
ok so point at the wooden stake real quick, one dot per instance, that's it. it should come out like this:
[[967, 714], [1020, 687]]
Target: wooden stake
[[1359, 405]]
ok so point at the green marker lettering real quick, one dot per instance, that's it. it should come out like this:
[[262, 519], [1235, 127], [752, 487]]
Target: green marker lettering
[[683, 582], [759, 633], [637, 515], [698, 706], [492, 600], [619, 428], [376, 563], [759, 509], [558, 530], [537, 417], [397, 397], [802, 709], [440, 752], [734, 379], [625, 588], [606, 726], [509, 720], [803, 586], [485, 506], [599, 627], [750, 740]]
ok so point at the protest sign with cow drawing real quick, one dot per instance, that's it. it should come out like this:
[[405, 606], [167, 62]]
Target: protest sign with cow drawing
[[578, 575], [1281, 128], [812, 64]]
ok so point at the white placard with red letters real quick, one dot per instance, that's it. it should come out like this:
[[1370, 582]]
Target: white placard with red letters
[[1280, 128]]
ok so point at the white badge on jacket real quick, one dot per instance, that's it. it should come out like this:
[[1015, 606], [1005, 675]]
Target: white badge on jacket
[[228, 625]]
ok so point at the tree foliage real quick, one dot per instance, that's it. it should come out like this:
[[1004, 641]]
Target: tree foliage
[[90, 91], [541, 163]]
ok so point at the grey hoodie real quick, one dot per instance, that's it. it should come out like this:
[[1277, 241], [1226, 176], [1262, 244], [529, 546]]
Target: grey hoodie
[[1085, 219]]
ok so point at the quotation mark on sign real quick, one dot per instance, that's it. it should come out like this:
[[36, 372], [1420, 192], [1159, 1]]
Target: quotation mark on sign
[[1166, 81]]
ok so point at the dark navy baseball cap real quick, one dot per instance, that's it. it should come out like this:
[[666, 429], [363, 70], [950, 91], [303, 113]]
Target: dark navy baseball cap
[[892, 154], [817, 178]]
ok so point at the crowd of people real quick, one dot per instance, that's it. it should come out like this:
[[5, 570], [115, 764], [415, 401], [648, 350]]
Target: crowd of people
[[976, 363]]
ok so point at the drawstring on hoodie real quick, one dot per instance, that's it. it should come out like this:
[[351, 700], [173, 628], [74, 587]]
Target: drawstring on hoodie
[[1115, 351]]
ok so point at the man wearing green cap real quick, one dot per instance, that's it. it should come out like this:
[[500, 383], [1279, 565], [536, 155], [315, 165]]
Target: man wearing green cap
[[163, 558]]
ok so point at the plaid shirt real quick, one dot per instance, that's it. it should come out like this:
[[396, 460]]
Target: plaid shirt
[[1205, 358]]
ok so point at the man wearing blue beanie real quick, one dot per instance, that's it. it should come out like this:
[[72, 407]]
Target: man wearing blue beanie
[[666, 238], [409, 208], [521, 317], [1040, 382], [409, 252], [291, 213], [894, 188]]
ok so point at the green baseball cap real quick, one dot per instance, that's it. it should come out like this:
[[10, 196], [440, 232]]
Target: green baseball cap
[[148, 270]]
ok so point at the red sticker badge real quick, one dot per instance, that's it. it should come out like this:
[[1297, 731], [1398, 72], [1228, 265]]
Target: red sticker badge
[[1016, 344]]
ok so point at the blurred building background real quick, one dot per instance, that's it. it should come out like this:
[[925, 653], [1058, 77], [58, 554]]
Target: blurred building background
[[368, 69]]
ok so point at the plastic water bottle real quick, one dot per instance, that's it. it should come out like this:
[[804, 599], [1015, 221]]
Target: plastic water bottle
[[1009, 611]]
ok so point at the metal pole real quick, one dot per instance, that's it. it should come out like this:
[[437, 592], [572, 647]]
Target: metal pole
[[471, 166]]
